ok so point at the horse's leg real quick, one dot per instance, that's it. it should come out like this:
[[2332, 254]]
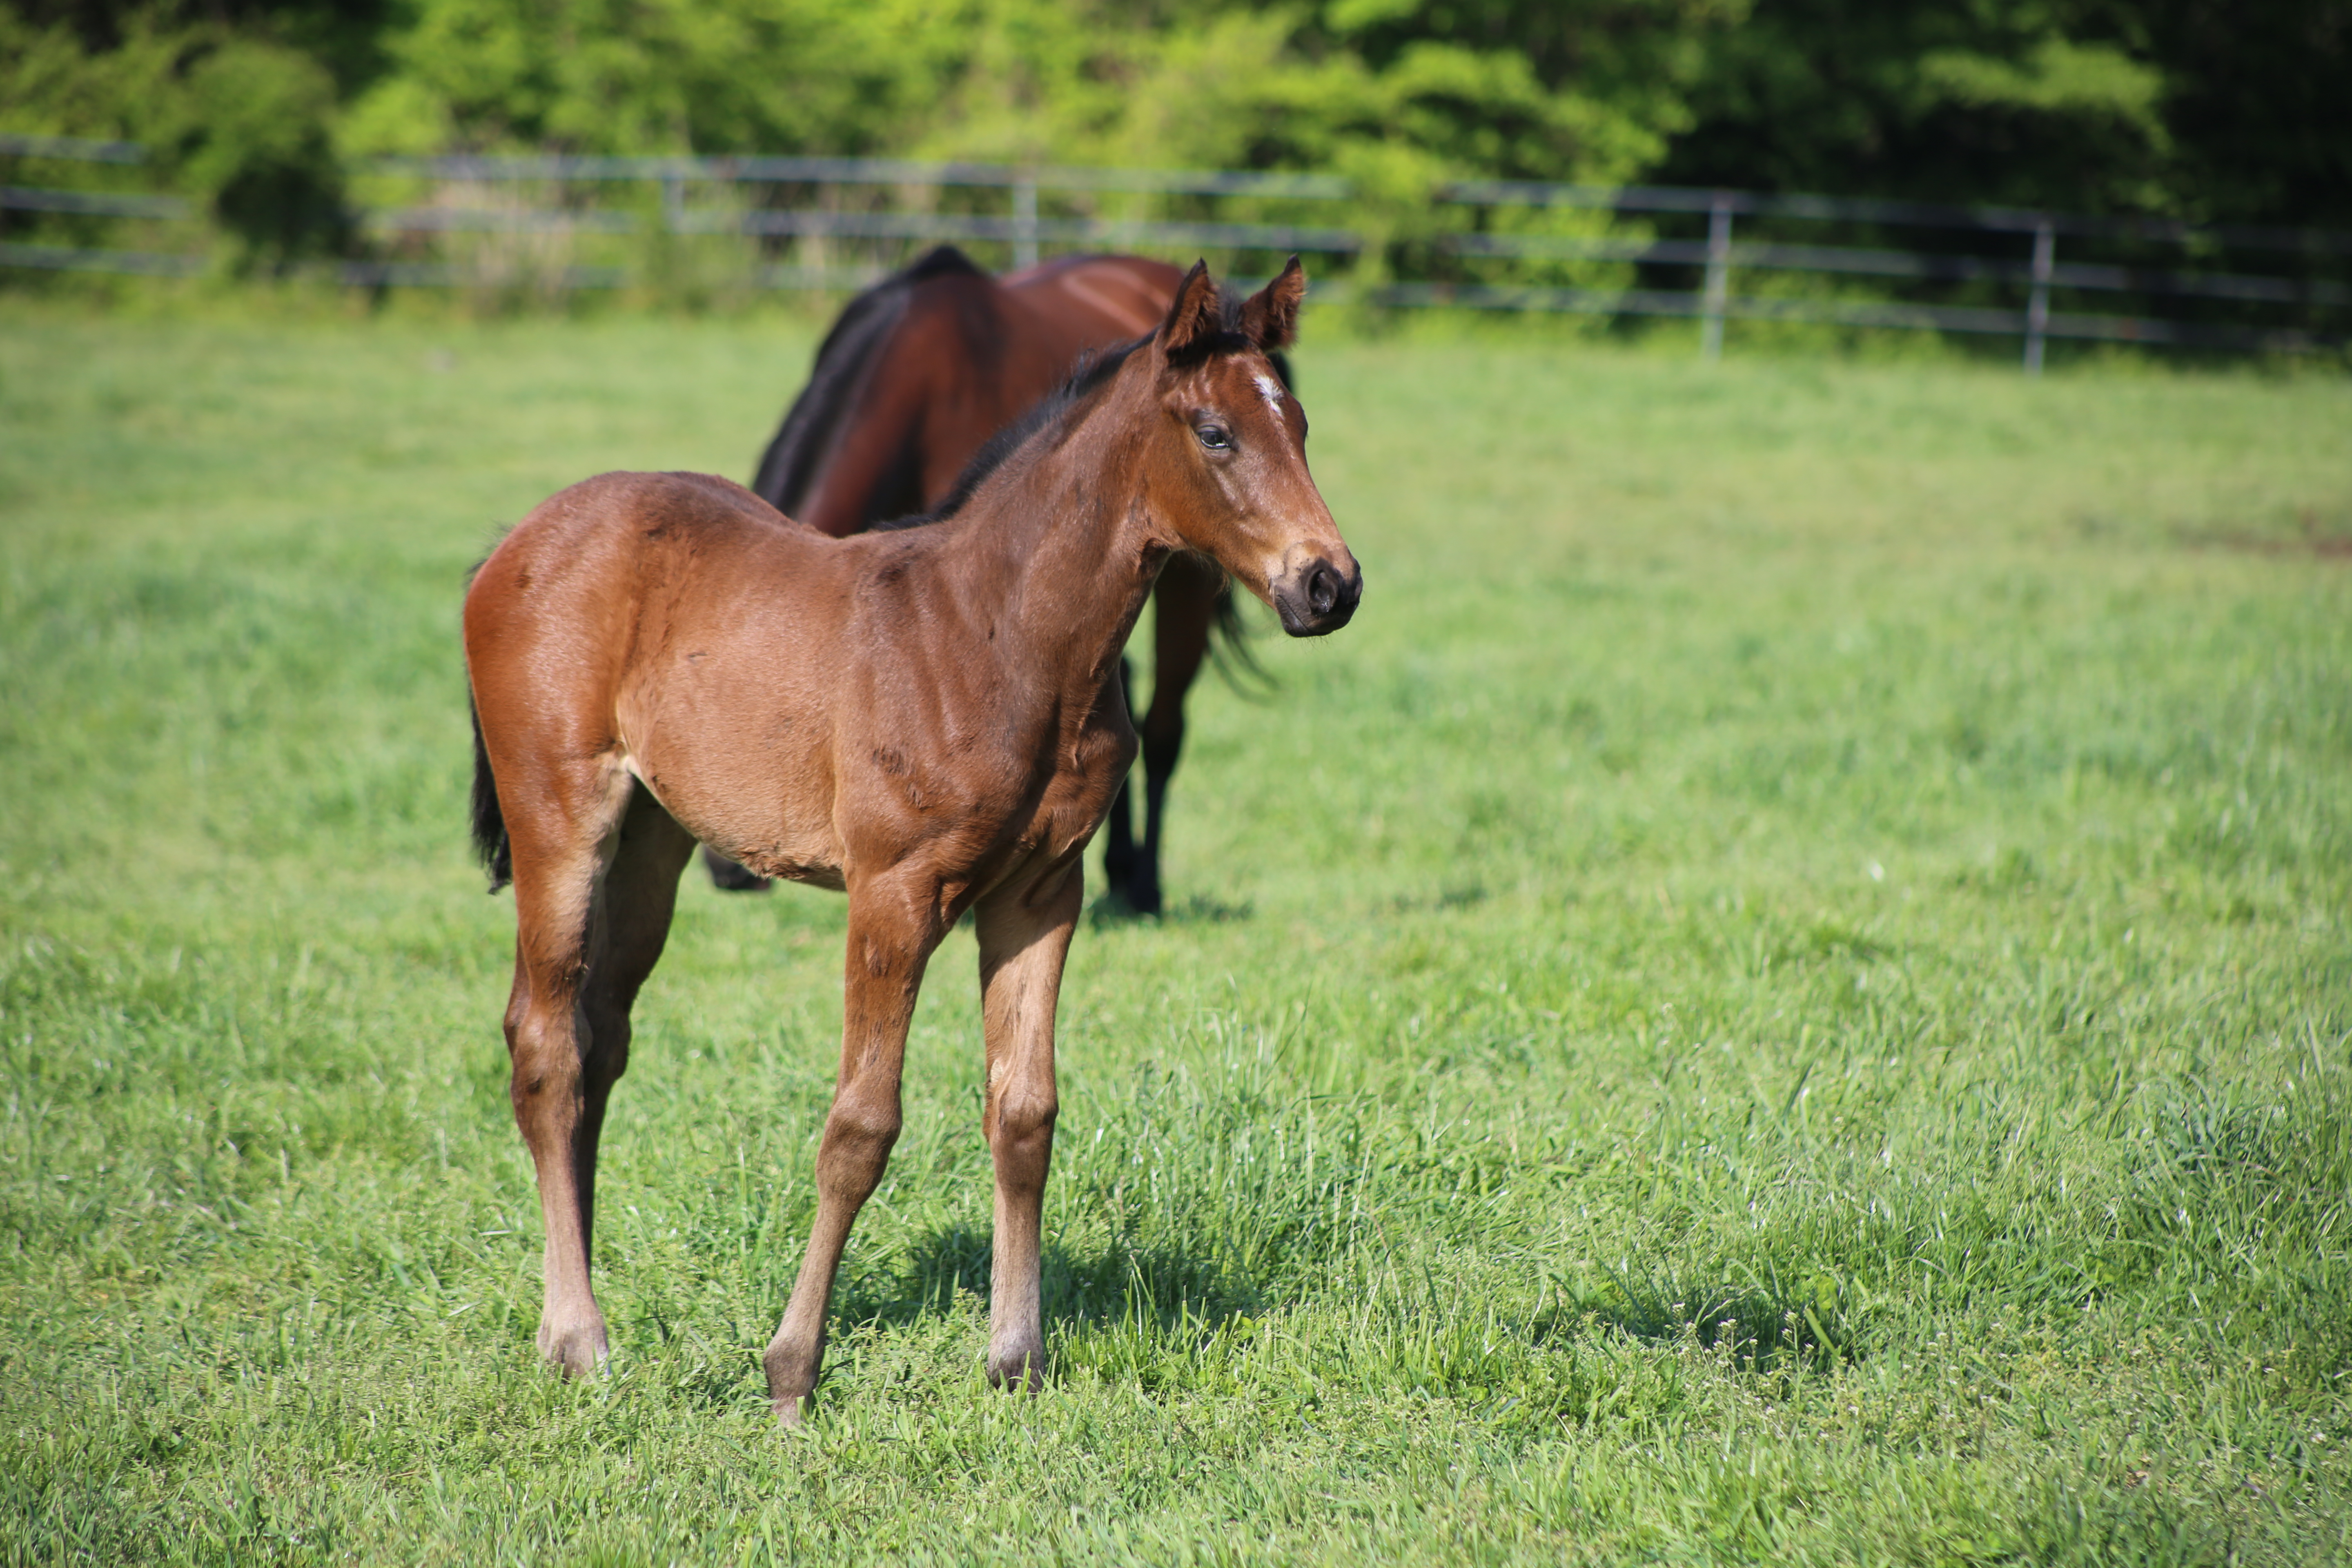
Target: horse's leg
[[565, 836], [1119, 838], [893, 927], [1025, 935], [729, 876], [632, 924], [1187, 607]]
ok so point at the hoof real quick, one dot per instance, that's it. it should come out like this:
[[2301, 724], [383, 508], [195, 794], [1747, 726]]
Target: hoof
[[1143, 894], [580, 1350], [728, 875], [1022, 1370], [791, 1382]]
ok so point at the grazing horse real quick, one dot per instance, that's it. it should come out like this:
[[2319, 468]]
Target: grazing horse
[[918, 374], [927, 719]]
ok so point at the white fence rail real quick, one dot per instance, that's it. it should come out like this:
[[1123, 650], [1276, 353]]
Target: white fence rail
[[799, 216]]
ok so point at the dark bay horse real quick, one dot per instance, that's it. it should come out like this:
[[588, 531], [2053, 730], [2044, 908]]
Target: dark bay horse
[[913, 379], [927, 719]]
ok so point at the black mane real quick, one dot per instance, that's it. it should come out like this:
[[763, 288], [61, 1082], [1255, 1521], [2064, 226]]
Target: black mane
[[791, 463], [1090, 376]]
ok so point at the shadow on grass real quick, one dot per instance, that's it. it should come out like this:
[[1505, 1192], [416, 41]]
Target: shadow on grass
[[1455, 895], [1175, 1289], [1113, 910], [1768, 1322]]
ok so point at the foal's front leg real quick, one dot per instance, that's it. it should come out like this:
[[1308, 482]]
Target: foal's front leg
[[892, 932], [1025, 935]]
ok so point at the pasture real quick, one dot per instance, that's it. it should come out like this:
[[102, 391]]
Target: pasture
[[1783, 993]]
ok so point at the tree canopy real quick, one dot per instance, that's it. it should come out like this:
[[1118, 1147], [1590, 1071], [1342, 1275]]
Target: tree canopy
[[2183, 107]]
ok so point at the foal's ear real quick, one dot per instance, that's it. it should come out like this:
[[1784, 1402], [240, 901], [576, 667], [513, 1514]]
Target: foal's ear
[[1195, 315], [1270, 320]]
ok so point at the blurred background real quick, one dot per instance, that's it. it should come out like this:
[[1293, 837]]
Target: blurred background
[[2162, 167], [1782, 993]]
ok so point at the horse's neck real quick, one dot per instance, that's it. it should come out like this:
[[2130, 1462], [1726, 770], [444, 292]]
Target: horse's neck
[[1060, 558]]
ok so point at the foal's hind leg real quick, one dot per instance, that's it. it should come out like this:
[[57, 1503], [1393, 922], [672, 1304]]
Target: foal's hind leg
[[595, 880], [1025, 936], [633, 917]]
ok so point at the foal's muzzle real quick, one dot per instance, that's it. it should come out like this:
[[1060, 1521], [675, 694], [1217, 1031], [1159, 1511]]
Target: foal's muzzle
[[1317, 598]]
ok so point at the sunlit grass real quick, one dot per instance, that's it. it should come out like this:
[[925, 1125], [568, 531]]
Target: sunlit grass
[[1782, 993]]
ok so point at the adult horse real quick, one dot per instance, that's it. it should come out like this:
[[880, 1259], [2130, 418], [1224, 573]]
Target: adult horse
[[927, 719], [913, 379]]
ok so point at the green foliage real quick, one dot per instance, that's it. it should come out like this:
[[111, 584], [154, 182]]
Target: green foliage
[[2253, 95], [774, 75], [1782, 993], [238, 122], [1232, 85], [2184, 108], [264, 110]]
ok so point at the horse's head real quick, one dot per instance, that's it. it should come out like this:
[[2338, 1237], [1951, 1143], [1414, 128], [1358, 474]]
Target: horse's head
[[1229, 456]]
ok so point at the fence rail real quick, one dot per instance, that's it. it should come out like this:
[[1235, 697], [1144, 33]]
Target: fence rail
[[1870, 210], [814, 207]]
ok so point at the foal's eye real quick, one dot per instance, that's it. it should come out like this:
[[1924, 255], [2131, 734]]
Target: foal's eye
[[1214, 437]]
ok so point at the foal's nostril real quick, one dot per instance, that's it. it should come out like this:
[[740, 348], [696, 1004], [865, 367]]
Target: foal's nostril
[[1323, 589]]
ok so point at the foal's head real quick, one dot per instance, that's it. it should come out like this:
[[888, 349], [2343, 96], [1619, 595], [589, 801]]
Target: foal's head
[[1228, 455]]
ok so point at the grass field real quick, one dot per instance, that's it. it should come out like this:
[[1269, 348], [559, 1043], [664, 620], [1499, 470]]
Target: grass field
[[1784, 993]]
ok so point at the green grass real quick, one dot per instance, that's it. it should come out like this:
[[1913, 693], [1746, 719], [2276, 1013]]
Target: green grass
[[1782, 993]]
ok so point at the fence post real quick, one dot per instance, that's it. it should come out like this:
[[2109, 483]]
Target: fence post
[[1719, 275], [2037, 309], [1025, 221], [673, 204]]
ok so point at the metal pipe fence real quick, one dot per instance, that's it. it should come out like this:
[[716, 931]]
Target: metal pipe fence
[[563, 223]]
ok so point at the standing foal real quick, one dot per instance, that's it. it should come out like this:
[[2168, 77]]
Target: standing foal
[[929, 719], [917, 375]]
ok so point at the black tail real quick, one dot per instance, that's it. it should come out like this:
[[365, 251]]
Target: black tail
[[802, 443], [489, 822], [1230, 650]]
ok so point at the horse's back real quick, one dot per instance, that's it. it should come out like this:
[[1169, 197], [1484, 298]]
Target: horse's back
[[590, 563], [1111, 296], [972, 354], [678, 627], [603, 522], [920, 371]]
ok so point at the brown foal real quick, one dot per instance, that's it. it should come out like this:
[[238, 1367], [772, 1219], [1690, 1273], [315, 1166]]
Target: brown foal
[[915, 377], [929, 719]]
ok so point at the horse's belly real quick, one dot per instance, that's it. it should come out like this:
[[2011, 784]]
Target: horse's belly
[[789, 868], [751, 779]]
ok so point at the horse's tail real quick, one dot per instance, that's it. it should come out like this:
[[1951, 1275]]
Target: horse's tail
[[491, 843], [790, 465], [1230, 650]]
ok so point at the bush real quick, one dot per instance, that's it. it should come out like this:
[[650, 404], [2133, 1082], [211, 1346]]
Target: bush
[[238, 123]]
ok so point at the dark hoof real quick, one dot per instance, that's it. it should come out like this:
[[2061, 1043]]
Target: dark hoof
[[727, 876], [1142, 893]]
